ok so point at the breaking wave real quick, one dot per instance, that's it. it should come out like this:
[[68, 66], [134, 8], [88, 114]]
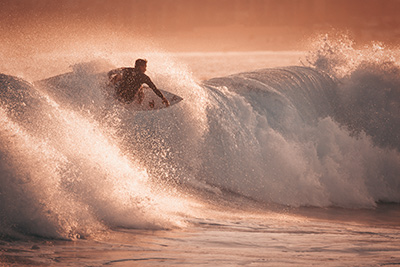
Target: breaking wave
[[74, 163]]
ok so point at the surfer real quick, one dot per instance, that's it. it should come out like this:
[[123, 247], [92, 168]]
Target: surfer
[[128, 83]]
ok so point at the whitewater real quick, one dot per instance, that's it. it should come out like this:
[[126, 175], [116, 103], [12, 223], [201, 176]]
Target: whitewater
[[262, 164]]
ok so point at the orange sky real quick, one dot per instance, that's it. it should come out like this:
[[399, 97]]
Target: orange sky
[[192, 25]]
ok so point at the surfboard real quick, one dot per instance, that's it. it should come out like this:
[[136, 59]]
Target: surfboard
[[153, 102], [65, 86]]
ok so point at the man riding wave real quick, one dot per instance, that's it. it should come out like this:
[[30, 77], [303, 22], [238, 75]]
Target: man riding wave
[[128, 83]]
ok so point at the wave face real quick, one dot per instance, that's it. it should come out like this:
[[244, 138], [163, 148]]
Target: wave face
[[73, 162], [283, 136]]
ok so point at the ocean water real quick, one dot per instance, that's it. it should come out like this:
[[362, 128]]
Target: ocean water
[[272, 159]]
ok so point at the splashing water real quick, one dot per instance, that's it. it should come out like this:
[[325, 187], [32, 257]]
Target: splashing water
[[61, 170]]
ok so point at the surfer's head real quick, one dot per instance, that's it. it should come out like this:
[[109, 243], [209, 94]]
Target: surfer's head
[[141, 65]]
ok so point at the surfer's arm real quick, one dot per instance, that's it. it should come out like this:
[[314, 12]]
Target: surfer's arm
[[153, 87], [155, 90], [113, 72], [114, 76]]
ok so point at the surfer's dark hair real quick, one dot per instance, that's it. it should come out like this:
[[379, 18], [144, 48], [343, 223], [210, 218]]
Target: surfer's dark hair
[[140, 62]]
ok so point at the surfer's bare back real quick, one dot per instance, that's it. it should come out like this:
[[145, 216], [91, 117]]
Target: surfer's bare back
[[128, 83]]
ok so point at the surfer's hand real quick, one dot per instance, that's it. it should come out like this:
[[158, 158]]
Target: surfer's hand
[[165, 101]]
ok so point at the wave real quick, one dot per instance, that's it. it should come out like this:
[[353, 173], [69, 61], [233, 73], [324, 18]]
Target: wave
[[77, 163], [282, 135], [63, 177]]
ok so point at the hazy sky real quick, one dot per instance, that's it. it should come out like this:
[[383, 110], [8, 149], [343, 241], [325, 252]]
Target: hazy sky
[[192, 25]]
